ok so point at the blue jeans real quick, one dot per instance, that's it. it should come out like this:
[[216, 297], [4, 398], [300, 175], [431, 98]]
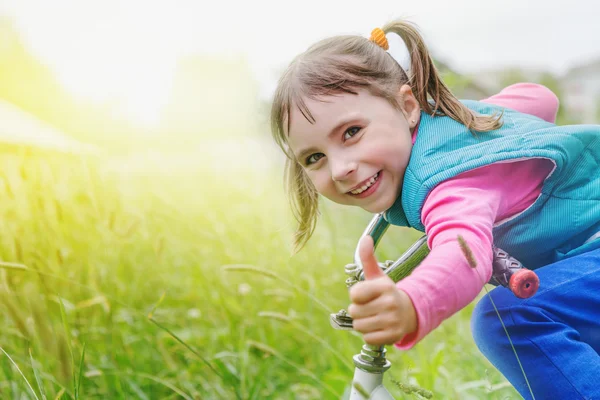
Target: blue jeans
[[556, 332]]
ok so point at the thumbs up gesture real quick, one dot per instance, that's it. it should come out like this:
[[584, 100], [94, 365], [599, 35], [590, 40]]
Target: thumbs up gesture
[[380, 311]]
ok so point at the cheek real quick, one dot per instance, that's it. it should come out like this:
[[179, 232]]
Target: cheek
[[321, 179], [401, 161], [396, 154]]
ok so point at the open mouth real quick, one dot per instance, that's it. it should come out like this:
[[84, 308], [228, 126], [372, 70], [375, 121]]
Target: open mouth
[[365, 188]]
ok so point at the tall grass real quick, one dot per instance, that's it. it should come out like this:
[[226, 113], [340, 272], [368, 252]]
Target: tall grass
[[170, 277]]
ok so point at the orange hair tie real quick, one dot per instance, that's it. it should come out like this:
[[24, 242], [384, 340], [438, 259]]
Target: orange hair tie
[[378, 36]]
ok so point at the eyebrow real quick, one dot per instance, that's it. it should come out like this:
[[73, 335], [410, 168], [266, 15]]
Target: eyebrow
[[345, 121]]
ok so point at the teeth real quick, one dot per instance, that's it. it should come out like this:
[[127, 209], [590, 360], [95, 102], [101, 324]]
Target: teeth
[[367, 185]]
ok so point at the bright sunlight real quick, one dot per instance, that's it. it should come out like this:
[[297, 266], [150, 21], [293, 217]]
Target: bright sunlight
[[124, 55]]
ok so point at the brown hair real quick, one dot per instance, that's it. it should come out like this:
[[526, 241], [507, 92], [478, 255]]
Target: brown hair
[[345, 64]]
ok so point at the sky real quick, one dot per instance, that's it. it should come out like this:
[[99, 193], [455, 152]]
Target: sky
[[130, 47]]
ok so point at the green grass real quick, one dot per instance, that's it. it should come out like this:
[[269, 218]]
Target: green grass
[[172, 278]]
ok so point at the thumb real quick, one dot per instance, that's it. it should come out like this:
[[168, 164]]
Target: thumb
[[366, 251]]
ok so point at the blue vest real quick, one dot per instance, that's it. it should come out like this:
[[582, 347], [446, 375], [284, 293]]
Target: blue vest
[[563, 217]]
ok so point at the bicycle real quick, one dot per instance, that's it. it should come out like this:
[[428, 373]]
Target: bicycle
[[371, 363]]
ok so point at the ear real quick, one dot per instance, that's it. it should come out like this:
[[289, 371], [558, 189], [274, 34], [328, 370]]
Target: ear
[[410, 106]]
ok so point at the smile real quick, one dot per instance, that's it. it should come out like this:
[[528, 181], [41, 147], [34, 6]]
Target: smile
[[366, 185]]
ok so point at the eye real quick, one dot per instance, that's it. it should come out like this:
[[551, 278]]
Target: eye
[[313, 158], [351, 132]]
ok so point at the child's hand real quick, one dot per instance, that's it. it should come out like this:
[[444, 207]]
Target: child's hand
[[381, 312]]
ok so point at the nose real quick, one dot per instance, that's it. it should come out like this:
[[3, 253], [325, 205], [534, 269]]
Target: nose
[[342, 168]]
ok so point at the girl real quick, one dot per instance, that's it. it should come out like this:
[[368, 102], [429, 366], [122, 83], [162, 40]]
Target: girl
[[361, 129]]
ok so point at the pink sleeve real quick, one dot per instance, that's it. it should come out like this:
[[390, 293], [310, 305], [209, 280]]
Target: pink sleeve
[[468, 205], [528, 98], [445, 283]]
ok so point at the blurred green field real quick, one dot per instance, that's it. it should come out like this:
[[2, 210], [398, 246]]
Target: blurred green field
[[141, 253]]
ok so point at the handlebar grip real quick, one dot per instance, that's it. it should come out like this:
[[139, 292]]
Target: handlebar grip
[[510, 273]]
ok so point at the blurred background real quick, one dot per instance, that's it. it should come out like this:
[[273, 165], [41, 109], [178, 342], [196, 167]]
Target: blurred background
[[146, 237]]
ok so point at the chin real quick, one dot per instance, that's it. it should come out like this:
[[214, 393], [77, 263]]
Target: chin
[[380, 207]]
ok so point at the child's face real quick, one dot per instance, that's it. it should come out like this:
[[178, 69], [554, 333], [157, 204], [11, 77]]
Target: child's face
[[357, 150]]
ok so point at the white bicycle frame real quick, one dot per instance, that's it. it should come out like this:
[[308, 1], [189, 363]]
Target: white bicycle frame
[[370, 363]]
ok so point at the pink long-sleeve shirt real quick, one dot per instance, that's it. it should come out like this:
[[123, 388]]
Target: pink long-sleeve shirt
[[469, 205]]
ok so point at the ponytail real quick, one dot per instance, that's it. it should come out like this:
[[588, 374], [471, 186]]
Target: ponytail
[[426, 83]]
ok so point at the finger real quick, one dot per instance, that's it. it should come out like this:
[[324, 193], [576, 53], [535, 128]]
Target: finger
[[382, 337], [369, 324], [377, 306], [366, 291], [366, 252]]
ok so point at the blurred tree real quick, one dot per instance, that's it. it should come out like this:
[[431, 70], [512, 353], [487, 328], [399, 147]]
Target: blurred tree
[[32, 86], [463, 87], [210, 98], [553, 83], [24, 81], [510, 77]]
